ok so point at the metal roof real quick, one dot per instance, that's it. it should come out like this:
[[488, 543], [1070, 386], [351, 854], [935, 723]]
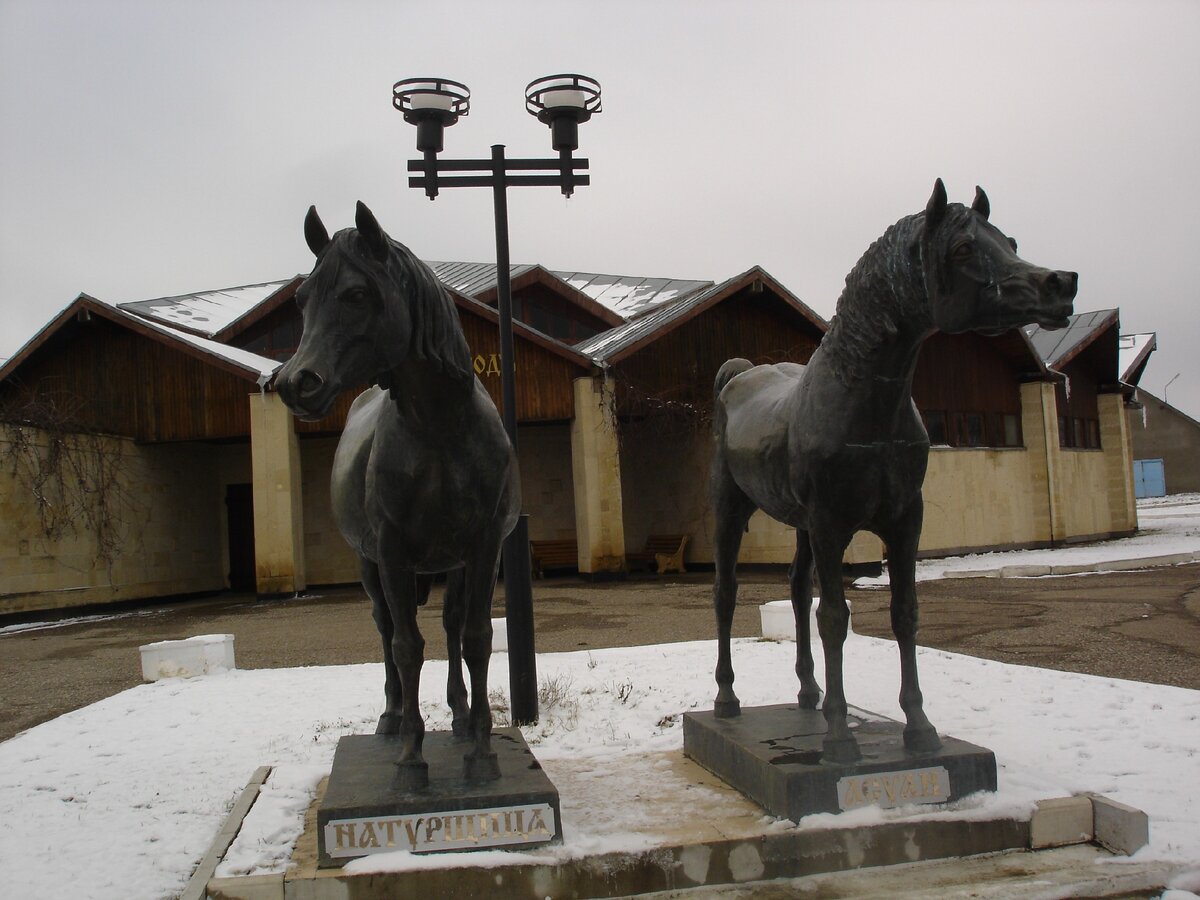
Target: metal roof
[[472, 279], [1056, 347], [630, 296], [207, 312]]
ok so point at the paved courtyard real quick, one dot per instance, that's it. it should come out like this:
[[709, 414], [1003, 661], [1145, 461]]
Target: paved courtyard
[[1142, 625]]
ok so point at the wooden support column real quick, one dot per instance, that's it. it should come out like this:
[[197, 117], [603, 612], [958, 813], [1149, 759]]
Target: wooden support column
[[278, 510], [596, 471]]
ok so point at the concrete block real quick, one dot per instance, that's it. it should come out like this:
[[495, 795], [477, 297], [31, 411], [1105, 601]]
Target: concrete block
[[779, 623], [246, 887], [1063, 820], [499, 635], [1119, 828], [200, 655], [1024, 571]]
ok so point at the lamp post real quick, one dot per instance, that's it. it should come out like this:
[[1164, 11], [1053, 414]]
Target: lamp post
[[563, 102]]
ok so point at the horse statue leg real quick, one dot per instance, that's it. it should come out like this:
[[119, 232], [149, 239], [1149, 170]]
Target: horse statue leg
[[479, 763], [800, 581], [389, 721], [901, 538], [402, 594], [833, 620], [733, 510], [453, 612]]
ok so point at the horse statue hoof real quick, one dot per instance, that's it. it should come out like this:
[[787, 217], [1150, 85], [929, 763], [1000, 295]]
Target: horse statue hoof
[[922, 740], [480, 767], [727, 709], [807, 700], [412, 775], [389, 723], [840, 752]]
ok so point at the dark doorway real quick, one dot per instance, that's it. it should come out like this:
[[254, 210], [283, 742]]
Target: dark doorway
[[239, 504]]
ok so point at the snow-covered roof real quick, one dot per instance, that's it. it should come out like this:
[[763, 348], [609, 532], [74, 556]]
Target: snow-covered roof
[[1056, 347], [630, 296], [262, 366], [1132, 352], [608, 345], [205, 313]]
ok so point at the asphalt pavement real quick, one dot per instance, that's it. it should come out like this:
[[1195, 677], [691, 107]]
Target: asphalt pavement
[[1139, 625]]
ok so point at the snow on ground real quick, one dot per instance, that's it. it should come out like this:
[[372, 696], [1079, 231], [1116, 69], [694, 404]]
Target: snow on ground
[[122, 798], [1166, 526]]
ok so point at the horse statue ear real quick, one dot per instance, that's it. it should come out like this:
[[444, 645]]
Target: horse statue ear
[[936, 208], [314, 232], [981, 204], [368, 227]]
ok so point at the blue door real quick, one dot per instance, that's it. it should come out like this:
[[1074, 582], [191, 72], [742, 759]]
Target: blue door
[[1149, 478]]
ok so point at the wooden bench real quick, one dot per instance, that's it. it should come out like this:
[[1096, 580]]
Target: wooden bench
[[664, 551], [543, 555]]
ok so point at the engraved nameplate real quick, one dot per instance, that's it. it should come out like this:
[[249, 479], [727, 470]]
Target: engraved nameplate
[[465, 829], [888, 789]]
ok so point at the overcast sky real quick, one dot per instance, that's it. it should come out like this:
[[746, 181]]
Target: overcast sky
[[158, 148]]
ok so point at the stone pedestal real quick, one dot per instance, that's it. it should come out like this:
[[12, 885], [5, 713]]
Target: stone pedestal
[[364, 812], [772, 755]]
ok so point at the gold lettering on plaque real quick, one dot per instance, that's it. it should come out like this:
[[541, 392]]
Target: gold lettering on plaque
[[414, 831], [536, 824], [344, 836], [929, 783], [434, 824], [368, 838]]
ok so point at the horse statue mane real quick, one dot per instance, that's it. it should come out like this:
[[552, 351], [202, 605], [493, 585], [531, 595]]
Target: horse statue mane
[[437, 336], [888, 287]]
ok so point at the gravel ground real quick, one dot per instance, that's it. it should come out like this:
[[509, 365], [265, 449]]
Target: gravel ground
[[1143, 626]]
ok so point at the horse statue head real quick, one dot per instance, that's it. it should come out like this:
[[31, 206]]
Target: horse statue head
[[974, 278], [371, 311]]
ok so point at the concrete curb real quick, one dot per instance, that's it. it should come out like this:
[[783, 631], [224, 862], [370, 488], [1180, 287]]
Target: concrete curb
[[1112, 565]]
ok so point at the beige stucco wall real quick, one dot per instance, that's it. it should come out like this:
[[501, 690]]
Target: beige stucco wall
[[982, 498], [547, 489], [162, 551]]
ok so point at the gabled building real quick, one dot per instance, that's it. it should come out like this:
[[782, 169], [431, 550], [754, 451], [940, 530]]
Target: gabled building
[[208, 482]]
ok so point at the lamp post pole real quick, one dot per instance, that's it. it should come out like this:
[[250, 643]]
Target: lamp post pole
[[562, 102]]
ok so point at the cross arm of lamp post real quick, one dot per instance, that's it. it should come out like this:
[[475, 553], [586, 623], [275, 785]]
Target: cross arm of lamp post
[[564, 173]]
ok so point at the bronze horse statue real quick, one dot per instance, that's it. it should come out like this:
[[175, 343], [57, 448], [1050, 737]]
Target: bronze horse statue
[[424, 478], [837, 446]]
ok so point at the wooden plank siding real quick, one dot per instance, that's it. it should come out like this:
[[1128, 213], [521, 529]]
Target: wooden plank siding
[[681, 366], [544, 379], [113, 380], [965, 373]]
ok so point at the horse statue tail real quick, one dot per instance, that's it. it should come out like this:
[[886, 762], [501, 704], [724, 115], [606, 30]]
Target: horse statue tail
[[727, 372]]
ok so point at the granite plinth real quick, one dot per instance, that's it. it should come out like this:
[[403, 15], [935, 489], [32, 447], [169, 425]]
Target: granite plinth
[[365, 811], [772, 754]]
